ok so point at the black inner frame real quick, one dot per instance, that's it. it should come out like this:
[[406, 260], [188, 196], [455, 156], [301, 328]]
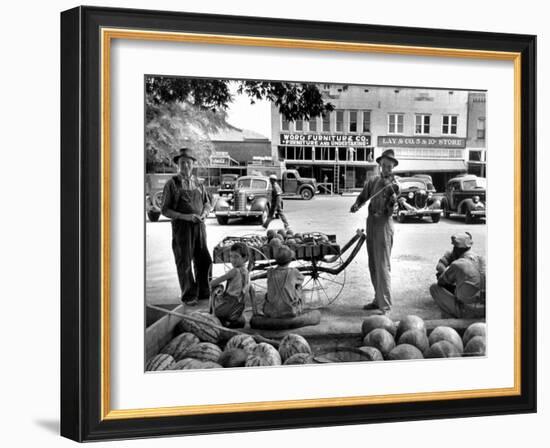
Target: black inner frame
[[81, 223]]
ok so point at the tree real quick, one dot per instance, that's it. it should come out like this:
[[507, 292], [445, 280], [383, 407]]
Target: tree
[[184, 111]]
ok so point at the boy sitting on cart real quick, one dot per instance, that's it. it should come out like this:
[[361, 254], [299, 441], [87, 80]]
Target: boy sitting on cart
[[284, 287], [229, 306]]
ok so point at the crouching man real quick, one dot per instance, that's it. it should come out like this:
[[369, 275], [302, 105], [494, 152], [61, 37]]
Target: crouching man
[[460, 287]]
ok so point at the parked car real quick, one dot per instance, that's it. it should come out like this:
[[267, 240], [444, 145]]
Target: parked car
[[251, 199], [465, 196], [417, 199], [292, 184], [227, 184], [154, 186]]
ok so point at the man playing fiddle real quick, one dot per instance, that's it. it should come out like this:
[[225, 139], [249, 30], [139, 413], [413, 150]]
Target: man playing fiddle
[[382, 192]]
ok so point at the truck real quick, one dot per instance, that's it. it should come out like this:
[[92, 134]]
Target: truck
[[292, 184]]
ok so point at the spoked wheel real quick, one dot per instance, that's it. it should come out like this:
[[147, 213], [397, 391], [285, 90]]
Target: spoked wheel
[[322, 285]]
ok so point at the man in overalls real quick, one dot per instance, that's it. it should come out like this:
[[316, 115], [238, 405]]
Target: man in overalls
[[186, 203], [382, 191]]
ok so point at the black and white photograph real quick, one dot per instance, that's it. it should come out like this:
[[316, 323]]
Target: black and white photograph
[[291, 222]]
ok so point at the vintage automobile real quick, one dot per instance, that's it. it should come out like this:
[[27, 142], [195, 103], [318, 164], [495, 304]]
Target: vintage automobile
[[416, 199], [227, 184], [154, 185], [465, 196], [251, 199]]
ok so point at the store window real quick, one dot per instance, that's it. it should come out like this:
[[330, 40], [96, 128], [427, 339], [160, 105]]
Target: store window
[[322, 153], [366, 121], [481, 128], [326, 122], [313, 124], [353, 121], [339, 121], [422, 124], [285, 124], [449, 124], [395, 123]]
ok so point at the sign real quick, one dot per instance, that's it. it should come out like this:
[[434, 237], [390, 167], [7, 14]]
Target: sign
[[417, 142], [325, 140], [216, 160]]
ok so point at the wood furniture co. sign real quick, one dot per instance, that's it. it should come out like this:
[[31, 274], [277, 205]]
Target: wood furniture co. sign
[[325, 140]]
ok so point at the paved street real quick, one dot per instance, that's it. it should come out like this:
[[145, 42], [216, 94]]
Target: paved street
[[417, 247]]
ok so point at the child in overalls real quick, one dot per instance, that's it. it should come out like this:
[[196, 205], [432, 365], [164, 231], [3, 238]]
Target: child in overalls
[[230, 306]]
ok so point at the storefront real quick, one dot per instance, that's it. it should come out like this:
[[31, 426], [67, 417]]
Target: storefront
[[219, 163], [441, 157], [343, 161]]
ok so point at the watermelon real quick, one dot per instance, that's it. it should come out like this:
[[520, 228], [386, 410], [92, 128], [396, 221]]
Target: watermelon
[[475, 346], [442, 349], [372, 353], [418, 338], [446, 334], [405, 351], [271, 233], [299, 358], [162, 361], [233, 357], [410, 323], [292, 344], [380, 339], [477, 329], [203, 328], [191, 363], [203, 351], [179, 344], [243, 341], [372, 322], [263, 355]]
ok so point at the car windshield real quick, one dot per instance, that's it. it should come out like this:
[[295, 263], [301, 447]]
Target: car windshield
[[474, 184], [243, 183], [412, 184], [258, 184], [228, 178]]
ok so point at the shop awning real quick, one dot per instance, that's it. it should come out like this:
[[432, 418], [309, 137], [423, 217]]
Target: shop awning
[[429, 166]]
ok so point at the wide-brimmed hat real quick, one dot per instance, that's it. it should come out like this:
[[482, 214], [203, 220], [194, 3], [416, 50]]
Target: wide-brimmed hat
[[284, 255], [462, 240], [184, 152], [388, 154]]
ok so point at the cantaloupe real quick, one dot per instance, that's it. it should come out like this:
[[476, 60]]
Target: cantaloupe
[[475, 346], [476, 329], [442, 349], [405, 351], [410, 323], [443, 333], [380, 339], [372, 322], [292, 344], [418, 338]]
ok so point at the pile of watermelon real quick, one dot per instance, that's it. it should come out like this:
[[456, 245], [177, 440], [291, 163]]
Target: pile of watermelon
[[202, 347], [383, 339]]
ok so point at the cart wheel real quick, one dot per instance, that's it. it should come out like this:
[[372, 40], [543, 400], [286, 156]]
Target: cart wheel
[[320, 288]]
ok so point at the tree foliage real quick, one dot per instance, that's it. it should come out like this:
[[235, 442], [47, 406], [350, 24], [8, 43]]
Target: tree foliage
[[184, 111]]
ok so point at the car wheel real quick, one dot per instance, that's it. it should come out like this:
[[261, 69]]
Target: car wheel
[[153, 215], [401, 218], [445, 206], [265, 214], [306, 194], [436, 217], [222, 220], [469, 219]]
